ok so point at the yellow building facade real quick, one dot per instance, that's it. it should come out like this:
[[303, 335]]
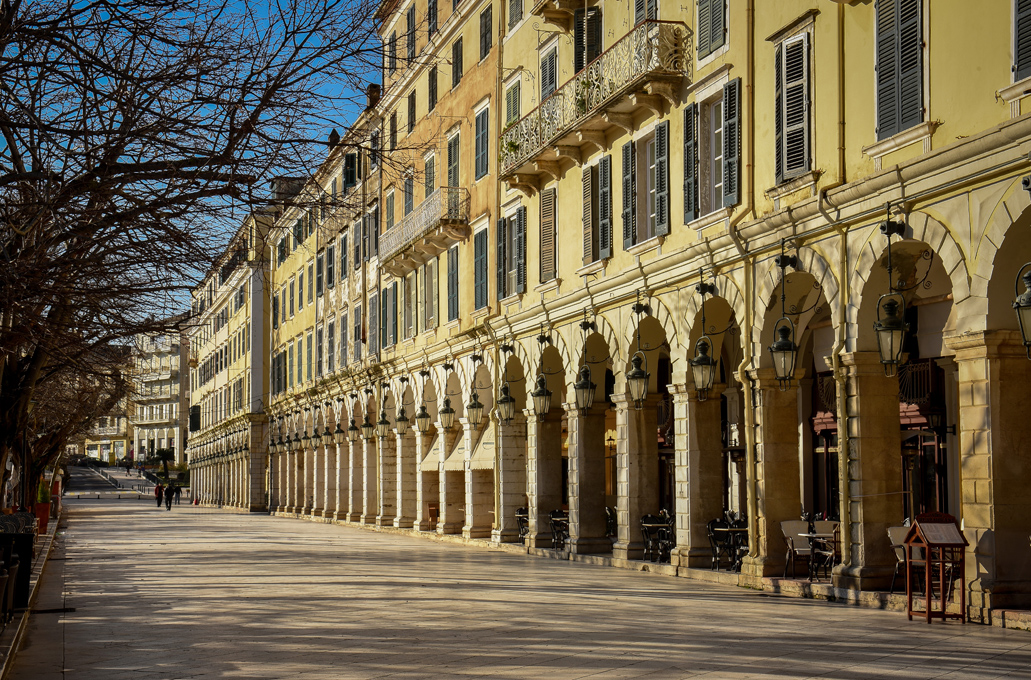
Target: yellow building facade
[[564, 238]]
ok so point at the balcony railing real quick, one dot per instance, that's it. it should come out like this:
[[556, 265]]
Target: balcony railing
[[109, 430], [438, 221], [652, 51]]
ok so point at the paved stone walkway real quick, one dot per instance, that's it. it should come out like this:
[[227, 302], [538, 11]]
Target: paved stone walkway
[[197, 593]]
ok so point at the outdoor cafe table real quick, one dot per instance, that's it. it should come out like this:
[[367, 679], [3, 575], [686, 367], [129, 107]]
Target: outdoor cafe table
[[738, 538], [814, 539]]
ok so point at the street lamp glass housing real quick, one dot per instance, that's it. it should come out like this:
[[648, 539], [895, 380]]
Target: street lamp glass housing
[[474, 410], [541, 396], [447, 414], [1022, 305], [339, 435], [584, 390], [784, 351], [422, 419], [703, 368], [401, 422], [506, 404], [352, 431], [382, 425], [368, 429], [891, 330], [297, 441], [327, 437], [637, 380]]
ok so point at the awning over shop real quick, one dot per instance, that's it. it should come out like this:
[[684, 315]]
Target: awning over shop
[[483, 452], [456, 461], [431, 463]]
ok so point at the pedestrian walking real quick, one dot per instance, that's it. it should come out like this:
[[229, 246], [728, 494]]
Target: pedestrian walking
[[178, 493], [158, 493], [169, 493]]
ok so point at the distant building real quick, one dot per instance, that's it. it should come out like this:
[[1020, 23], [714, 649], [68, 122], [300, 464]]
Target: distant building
[[161, 392]]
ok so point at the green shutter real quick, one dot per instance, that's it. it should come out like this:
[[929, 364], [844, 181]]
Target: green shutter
[[519, 244], [547, 234], [911, 75], [662, 178], [480, 286], [452, 284], [690, 163], [1022, 40], [887, 69], [629, 196], [502, 261], [605, 207], [717, 24], [587, 215], [796, 107], [704, 42], [778, 113], [732, 142]]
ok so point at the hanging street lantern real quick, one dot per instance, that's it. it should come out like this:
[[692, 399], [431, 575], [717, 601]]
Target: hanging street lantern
[[382, 425], [447, 414], [584, 389], [339, 434], [327, 436], [541, 396], [401, 422], [368, 429], [637, 380], [784, 351], [422, 419], [891, 326], [506, 404], [352, 431], [703, 368], [1022, 305], [474, 410]]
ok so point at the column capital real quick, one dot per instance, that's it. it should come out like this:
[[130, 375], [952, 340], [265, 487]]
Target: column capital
[[981, 344], [862, 363], [684, 393]]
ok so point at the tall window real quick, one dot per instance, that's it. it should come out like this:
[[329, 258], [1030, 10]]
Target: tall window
[[791, 117], [511, 256], [291, 307], [512, 103], [431, 17], [309, 342], [482, 143], [712, 151], [429, 175], [712, 26], [311, 282], [900, 96], [409, 194], [320, 264], [597, 211], [486, 39], [646, 187], [452, 283], [456, 63], [480, 269], [429, 294], [392, 53], [410, 32], [343, 257], [453, 179], [330, 350], [587, 37], [330, 263], [319, 349], [515, 12], [547, 238], [1021, 40], [411, 111], [393, 130], [549, 72], [344, 330], [389, 216], [716, 152], [431, 86]]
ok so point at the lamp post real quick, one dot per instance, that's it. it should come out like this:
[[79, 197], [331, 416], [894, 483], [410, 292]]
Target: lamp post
[[784, 351], [703, 364], [891, 326], [1022, 306]]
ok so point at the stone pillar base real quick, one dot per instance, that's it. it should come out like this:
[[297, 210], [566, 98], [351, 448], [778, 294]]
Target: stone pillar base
[[693, 558], [255, 507], [367, 519], [476, 532], [862, 578], [447, 528], [633, 550], [590, 546], [403, 522], [505, 536], [425, 525], [351, 516], [382, 521], [762, 565], [541, 540], [339, 516]]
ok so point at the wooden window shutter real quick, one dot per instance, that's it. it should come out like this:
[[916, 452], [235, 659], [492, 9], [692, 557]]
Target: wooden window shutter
[[605, 207], [778, 113], [717, 24], [431, 86], [515, 12], [587, 37], [384, 321], [1022, 40], [512, 103], [704, 12], [410, 33], [887, 69], [549, 74], [641, 10], [452, 161], [456, 63], [480, 269], [452, 284], [430, 176], [690, 162], [587, 216], [502, 261], [547, 235], [374, 226], [373, 324], [795, 116], [486, 19], [629, 196], [431, 17], [732, 142], [519, 244], [662, 178], [411, 111], [393, 311], [651, 9], [366, 218], [911, 75]]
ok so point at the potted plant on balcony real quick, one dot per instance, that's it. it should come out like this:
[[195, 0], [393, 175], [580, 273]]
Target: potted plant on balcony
[[43, 506], [511, 147]]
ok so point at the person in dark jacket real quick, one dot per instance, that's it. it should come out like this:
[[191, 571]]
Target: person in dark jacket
[[178, 493], [169, 494], [158, 492]]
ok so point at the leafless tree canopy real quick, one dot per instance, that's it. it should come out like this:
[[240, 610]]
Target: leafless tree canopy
[[135, 136]]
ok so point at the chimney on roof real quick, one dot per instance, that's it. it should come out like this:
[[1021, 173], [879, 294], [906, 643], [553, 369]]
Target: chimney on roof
[[334, 139], [372, 95]]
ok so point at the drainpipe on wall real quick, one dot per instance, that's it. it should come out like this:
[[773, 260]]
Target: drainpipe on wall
[[844, 438]]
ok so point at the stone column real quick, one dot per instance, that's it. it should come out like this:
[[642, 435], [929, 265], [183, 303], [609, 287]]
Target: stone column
[[356, 474], [637, 472], [778, 473], [281, 481], [543, 474], [310, 465], [452, 487], [698, 473], [387, 479], [874, 472], [343, 491], [587, 480], [511, 478], [995, 459], [370, 480], [427, 488], [479, 486], [318, 481], [329, 483], [407, 474]]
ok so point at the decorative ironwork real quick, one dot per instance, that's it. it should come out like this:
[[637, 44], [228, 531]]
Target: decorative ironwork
[[446, 205], [651, 49], [917, 383]]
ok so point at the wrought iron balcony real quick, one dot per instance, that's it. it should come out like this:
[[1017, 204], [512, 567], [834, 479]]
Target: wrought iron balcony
[[434, 226], [645, 68]]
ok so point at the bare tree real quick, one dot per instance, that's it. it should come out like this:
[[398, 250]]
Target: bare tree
[[135, 133]]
